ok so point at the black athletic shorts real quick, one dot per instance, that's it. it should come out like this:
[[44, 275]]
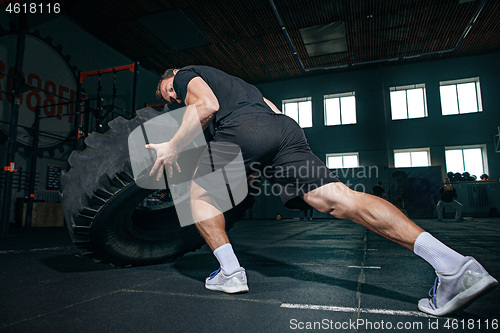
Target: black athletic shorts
[[273, 146]]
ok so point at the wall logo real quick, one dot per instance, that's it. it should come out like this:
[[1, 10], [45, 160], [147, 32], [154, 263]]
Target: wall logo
[[46, 69], [221, 170]]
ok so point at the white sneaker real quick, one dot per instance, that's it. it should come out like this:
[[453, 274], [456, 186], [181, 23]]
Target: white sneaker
[[231, 284], [458, 289]]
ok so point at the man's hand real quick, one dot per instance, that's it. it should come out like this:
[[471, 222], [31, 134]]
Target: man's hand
[[167, 156]]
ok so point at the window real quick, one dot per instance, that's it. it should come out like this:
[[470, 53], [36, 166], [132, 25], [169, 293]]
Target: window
[[460, 96], [469, 158], [339, 161], [300, 109], [411, 158], [408, 102], [340, 109]]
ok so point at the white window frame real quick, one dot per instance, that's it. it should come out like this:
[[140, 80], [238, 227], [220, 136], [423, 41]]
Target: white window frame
[[339, 121], [456, 83], [342, 155], [484, 156], [415, 150], [297, 100], [406, 89]]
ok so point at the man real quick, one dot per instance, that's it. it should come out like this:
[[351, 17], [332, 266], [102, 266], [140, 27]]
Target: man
[[448, 195], [379, 191], [268, 139]]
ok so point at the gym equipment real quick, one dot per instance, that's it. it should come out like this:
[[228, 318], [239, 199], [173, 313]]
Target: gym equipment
[[113, 219]]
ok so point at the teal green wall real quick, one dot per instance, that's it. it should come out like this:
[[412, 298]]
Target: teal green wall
[[375, 135]]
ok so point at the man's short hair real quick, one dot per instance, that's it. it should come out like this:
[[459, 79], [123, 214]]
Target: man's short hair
[[379, 182], [168, 74]]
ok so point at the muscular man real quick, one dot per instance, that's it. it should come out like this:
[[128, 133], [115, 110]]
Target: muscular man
[[268, 139]]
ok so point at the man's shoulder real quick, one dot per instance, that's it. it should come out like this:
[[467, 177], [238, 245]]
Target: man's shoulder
[[182, 79], [198, 69], [207, 73], [185, 70], [184, 75]]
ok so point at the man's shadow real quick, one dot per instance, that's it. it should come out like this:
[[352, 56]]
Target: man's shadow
[[196, 265]]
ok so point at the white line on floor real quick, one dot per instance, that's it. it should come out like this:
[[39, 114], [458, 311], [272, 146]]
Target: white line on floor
[[349, 309], [36, 250], [366, 267]]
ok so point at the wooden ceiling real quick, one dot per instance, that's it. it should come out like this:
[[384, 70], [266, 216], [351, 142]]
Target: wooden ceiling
[[247, 40]]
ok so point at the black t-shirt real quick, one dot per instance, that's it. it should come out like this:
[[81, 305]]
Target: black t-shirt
[[235, 96], [447, 195]]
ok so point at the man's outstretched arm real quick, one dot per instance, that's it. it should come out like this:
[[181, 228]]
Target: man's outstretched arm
[[202, 105]]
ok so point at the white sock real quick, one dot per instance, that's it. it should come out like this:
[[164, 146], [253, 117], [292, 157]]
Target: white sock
[[227, 259], [441, 257]]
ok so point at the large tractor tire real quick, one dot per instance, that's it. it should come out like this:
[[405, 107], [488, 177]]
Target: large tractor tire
[[113, 219]]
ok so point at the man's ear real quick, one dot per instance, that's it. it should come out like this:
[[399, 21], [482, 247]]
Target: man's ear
[[175, 71]]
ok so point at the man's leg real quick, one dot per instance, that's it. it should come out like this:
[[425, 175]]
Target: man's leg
[[383, 218], [455, 272], [439, 209], [370, 211], [210, 222], [458, 207]]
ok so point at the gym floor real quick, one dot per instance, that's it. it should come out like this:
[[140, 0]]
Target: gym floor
[[320, 275]]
